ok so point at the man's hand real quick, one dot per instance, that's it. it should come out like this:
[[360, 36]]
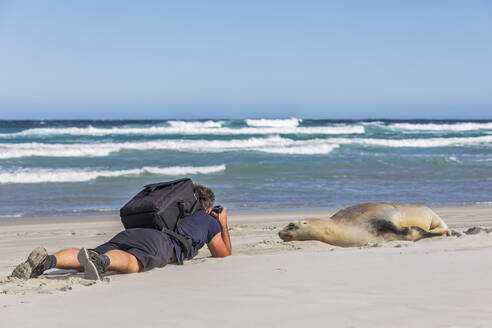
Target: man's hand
[[221, 217]]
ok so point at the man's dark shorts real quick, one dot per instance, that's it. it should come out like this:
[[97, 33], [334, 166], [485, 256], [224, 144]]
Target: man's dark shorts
[[152, 248]]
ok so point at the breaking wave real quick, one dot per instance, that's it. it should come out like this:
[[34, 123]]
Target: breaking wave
[[195, 125], [40, 175], [187, 128], [15, 215], [290, 122], [273, 144], [419, 143], [442, 127]]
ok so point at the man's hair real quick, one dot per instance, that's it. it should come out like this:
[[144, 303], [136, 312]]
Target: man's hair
[[206, 195]]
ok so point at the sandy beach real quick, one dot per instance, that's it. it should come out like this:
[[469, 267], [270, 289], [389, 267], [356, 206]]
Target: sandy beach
[[278, 110], [438, 282]]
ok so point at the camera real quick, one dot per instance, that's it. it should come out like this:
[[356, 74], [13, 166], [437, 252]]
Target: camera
[[217, 209]]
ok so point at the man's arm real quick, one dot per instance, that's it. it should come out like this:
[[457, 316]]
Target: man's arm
[[220, 244]]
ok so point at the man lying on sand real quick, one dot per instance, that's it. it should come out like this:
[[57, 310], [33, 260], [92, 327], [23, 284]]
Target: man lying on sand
[[137, 249]]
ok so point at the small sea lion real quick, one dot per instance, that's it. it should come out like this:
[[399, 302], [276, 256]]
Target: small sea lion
[[369, 223]]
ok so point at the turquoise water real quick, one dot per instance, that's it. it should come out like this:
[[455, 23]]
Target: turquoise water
[[51, 168]]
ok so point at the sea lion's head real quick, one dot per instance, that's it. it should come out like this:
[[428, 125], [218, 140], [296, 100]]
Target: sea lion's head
[[306, 229]]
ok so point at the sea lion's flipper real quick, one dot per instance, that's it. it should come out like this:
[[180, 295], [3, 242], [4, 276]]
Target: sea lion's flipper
[[383, 227], [423, 233], [389, 230]]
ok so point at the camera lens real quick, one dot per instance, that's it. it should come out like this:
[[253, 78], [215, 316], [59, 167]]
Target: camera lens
[[217, 209]]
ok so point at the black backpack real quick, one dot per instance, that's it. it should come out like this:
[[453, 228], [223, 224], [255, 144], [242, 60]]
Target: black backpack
[[164, 206]]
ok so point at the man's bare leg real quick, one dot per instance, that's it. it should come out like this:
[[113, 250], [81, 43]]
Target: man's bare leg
[[67, 259], [123, 262], [120, 261]]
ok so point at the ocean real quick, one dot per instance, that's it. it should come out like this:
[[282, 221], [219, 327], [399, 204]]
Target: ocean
[[86, 168]]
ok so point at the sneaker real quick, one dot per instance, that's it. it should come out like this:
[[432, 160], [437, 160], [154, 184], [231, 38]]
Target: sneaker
[[33, 267], [93, 265]]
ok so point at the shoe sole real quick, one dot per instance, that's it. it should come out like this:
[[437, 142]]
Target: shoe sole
[[90, 269], [24, 270]]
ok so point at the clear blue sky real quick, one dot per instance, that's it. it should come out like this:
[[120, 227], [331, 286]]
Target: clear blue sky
[[236, 59]]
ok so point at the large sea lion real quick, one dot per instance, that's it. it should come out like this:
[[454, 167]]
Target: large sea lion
[[369, 223]]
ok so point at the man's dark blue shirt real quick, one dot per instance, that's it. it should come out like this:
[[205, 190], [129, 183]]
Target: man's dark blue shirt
[[201, 228]]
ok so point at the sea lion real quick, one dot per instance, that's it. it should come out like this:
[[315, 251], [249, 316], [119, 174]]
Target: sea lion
[[369, 223]]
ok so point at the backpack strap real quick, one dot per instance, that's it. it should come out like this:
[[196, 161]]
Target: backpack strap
[[198, 245], [186, 242], [183, 214]]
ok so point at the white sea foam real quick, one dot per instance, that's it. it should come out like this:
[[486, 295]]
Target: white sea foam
[[19, 150], [483, 203], [280, 123], [187, 128], [273, 144], [306, 149], [195, 124], [414, 143], [442, 127], [419, 143], [39, 175], [17, 215]]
